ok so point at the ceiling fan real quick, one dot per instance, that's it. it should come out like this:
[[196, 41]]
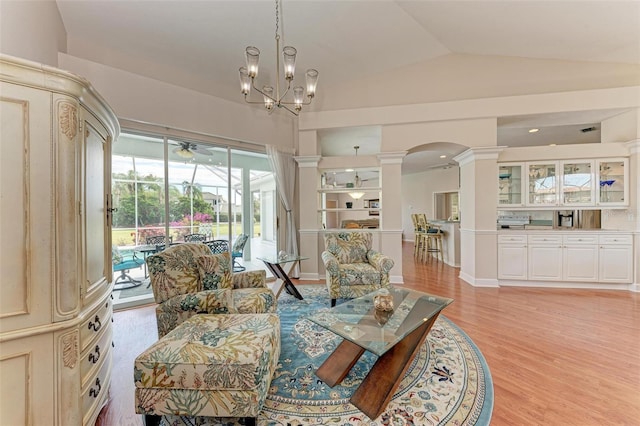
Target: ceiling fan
[[186, 150]]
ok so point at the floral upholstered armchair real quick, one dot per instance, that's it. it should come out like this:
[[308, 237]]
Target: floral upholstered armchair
[[188, 279], [353, 269]]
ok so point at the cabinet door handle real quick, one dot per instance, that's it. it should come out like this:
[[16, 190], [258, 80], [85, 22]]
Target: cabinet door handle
[[94, 357], [95, 392], [95, 326]]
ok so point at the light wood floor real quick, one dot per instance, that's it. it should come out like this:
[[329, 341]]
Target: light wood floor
[[557, 357]]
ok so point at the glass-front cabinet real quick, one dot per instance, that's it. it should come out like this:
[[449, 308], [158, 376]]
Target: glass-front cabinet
[[577, 183], [510, 185], [542, 184], [613, 188]]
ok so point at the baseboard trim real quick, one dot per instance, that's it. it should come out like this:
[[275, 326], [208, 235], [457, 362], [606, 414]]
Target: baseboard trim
[[570, 285], [478, 282], [396, 279], [309, 276]]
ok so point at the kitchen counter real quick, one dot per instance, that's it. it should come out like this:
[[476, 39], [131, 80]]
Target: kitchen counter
[[450, 241]]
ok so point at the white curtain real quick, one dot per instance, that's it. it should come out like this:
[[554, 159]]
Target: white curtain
[[284, 167]]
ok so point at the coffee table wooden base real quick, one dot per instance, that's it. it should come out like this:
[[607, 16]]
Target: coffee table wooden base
[[377, 388]]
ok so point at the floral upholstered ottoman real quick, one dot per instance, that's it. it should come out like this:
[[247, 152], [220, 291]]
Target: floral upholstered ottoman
[[210, 365]]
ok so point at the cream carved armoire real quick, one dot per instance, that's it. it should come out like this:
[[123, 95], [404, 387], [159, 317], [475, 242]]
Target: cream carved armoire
[[55, 239]]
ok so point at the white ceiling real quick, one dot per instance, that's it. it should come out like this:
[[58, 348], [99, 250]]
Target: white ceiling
[[200, 44]]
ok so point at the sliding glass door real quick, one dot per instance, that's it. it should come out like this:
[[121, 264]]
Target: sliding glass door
[[170, 191]]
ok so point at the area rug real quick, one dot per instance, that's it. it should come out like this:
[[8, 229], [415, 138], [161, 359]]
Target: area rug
[[448, 383]]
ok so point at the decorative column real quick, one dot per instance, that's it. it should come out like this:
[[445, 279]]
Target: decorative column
[[634, 206], [391, 215], [308, 206], [478, 207]]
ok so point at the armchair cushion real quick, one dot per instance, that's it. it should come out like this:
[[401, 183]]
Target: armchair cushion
[[175, 271], [380, 261], [182, 307], [249, 279], [253, 301], [349, 247], [215, 271]]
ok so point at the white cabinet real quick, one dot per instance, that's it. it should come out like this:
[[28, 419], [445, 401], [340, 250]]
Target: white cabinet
[[580, 258], [55, 145], [512, 257], [545, 257], [616, 259]]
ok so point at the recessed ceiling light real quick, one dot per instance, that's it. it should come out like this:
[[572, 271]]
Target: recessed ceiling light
[[552, 144], [443, 156], [533, 130], [348, 170]]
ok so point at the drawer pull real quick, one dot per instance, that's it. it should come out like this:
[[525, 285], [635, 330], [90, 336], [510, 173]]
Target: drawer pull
[[94, 357], [95, 392], [95, 326]]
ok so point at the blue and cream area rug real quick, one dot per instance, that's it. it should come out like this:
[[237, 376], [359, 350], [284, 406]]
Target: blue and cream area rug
[[448, 383]]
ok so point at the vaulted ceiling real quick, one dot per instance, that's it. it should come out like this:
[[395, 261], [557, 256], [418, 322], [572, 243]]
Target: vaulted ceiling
[[200, 44]]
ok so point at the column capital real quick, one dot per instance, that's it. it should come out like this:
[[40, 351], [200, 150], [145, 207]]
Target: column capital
[[634, 146], [391, 157], [307, 160], [481, 153]]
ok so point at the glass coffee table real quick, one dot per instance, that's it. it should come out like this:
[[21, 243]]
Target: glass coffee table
[[396, 337]]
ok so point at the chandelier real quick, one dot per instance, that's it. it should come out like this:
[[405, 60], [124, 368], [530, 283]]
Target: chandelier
[[270, 96]]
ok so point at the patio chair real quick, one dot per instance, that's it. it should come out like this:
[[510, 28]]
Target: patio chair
[[237, 252], [160, 241], [218, 246], [195, 238], [123, 262]]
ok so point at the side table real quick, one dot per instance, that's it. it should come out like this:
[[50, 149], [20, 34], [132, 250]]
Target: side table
[[275, 266]]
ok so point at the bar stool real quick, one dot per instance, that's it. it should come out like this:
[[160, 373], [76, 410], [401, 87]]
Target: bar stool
[[434, 241], [418, 237]]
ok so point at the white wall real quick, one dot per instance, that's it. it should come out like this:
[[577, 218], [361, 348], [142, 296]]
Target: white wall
[[460, 76], [139, 98], [417, 194], [32, 30]]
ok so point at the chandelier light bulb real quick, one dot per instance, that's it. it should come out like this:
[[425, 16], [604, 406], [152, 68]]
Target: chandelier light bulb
[[245, 81], [298, 97], [312, 81], [268, 97], [253, 56], [289, 61]]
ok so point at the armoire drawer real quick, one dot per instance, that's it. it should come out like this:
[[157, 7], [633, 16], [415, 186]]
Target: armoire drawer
[[94, 323], [96, 389], [95, 353]]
